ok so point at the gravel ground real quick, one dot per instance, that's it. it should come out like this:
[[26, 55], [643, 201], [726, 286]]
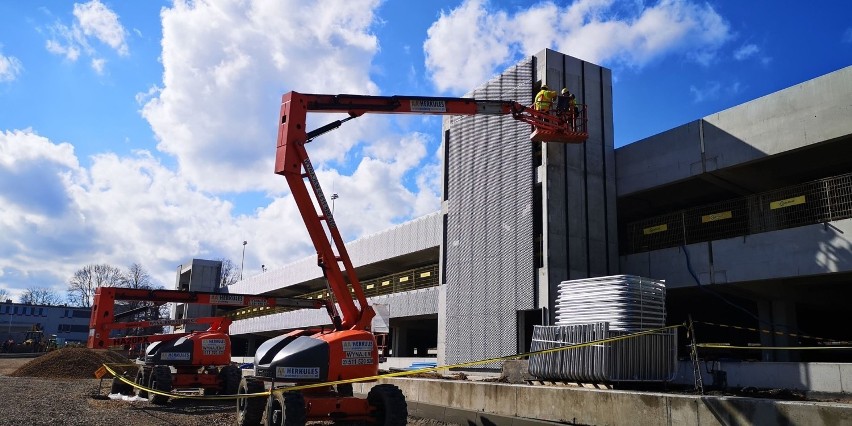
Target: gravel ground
[[63, 401]]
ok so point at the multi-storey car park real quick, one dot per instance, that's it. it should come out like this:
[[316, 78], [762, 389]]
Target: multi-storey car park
[[746, 214]]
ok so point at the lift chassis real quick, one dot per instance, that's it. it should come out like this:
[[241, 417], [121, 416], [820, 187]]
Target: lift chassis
[[200, 360]]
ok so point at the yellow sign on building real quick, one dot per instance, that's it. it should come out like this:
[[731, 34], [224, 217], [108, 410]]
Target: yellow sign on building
[[655, 229], [787, 202], [716, 216]]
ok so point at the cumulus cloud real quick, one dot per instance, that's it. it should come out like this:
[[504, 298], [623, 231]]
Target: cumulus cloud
[[606, 32], [98, 21], [58, 216], [10, 68], [226, 65], [93, 21]]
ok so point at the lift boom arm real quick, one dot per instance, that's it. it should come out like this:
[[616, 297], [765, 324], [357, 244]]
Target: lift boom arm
[[103, 310], [292, 161]]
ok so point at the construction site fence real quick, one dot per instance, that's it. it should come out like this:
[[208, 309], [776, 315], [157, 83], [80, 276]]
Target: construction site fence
[[648, 358], [818, 201]]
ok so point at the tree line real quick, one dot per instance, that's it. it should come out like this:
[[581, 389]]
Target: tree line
[[80, 290]]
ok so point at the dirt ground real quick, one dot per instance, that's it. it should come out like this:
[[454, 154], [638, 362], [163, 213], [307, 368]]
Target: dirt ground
[[8, 365]]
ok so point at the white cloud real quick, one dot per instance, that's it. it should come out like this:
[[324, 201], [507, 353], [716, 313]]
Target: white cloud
[[226, 65], [710, 91], [98, 65], [93, 20], [600, 31], [97, 20], [745, 52], [10, 68], [58, 216]]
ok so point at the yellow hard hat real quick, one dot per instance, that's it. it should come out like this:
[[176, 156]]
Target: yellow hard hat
[[544, 87], [564, 91]]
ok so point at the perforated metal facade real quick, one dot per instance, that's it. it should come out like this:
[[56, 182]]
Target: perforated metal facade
[[488, 268]]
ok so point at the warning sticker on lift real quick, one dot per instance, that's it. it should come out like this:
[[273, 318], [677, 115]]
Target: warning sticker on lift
[[297, 372], [357, 345], [213, 346], [357, 352], [225, 299], [174, 356], [423, 105]]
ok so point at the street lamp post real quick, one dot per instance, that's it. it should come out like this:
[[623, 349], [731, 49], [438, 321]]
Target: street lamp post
[[242, 262]]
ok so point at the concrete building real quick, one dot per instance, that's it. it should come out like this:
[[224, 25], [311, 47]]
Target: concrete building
[[70, 323], [745, 213]]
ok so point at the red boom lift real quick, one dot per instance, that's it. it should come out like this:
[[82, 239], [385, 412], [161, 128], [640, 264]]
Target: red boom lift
[[201, 359], [349, 351]]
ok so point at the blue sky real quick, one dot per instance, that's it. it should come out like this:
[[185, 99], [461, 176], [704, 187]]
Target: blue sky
[[143, 132]]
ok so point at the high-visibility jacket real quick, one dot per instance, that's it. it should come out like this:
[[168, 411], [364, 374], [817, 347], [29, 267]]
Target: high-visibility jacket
[[544, 99]]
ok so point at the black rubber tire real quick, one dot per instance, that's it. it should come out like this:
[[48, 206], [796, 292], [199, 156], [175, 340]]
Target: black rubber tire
[[119, 387], [229, 380], [250, 410], [286, 409], [142, 379], [345, 389], [389, 407], [161, 380]]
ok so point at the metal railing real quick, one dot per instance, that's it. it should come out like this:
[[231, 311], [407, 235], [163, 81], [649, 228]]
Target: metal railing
[[808, 203], [412, 279]]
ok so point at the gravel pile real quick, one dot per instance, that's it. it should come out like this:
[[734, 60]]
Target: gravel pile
[[69, 363]]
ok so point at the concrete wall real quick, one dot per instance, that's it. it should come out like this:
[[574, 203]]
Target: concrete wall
[[410, 237], [404, 304], [818, 377], [793, 252], [579, 195], [606, 407], [811, 112]]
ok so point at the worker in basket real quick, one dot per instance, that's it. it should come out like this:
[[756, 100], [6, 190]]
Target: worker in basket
[[544, 99]]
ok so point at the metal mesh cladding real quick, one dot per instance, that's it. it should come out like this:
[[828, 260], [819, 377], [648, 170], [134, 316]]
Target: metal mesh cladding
[[489, 269]]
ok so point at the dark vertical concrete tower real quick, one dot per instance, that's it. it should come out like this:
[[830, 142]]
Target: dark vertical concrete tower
[[520, 217]]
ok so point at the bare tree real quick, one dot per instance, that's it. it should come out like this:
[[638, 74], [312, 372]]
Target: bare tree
[[230, 273], [137, 277], [40, 296], [4, 295], [82, 286]]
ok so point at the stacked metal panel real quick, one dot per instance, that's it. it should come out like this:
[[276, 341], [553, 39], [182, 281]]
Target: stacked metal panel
[[648, 358], [626, 302], [604, 308]]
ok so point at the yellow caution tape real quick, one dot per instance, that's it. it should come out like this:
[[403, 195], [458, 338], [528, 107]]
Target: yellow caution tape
[[764, 348], [398, 373], [779, 333]]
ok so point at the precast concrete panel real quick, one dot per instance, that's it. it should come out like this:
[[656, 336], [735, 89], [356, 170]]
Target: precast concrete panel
[[405, 304], [787, 253], [672, 265], [667, 157], [580, 233], [487, 259], [410, 237], [811, 112]]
